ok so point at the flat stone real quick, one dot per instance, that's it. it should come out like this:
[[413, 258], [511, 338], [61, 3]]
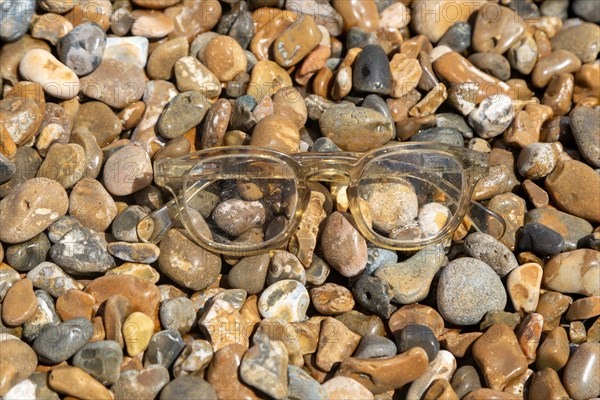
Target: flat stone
[[500, 359], [546, 384], [264, 366], [74, 303], [362, 324], [410, 280], [587, 307], [386, 373], [416, 314], [574, 272], [358, 13], [467, 305], [81, 49], [56, 343], [74, 381], [115, 83], [493, 64], [579, 378], [64, 163], [102, 360], [541, 240], [20, 304], [512, 209], [30, 209]]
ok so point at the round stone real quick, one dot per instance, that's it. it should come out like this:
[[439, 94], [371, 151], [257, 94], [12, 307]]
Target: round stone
[[102, 360], [463, 304], [491, 251], [286, 299], [137, 332], [235, 216], [276, 132], [20, 304], [92, 205], [64, 163], [331, 299], [375, 346], [178, 314], [225, 58], [580, 377], [21, 119], [493, 116], [127, 171], [392, 205], [81, 49], [98, 119], [418, 336], [343, 246]]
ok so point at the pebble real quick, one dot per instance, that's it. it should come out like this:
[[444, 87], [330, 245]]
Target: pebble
[[264, 367], [580, 377], [132, 49], [341, 388], [523, 287], [512, 208], [538, 160], [546, 384], [195, 357], [496, 35], [16, 19], [301, 385], [585, 10], [493, 116], [276, 132], [426, 23], [25, 256], [182, 113], [140, 384], [92, 205], [102, 360], [541, 240], [491, 63], [492, 252], [81, 49], [336, 343], [223, 375], [178, 314], [583, 266], [392, 205], [188, 387], [414, 335], [8, 277], [442, 367], [465, 306], [375, 295], [75, 382], [74, 303], [498, 355], [524, 54], [361, 13], [570, 227], [115, 83], [296, 42], [164, 56], [22, 118], [331, 299], [375, 346], [57, 343], [18, 362], [52, 279], [225, 58], [40, 66], [559, 61], [127, 171], [342, 245], [584, 123], [249, 273], [286, 299], [82, 251], [371, 71], [410, 280], [587, 307], [30, 209], [339, 125], [20, 304], [458, 37], [99, 120], [163, 348], [387, 373], [186, 263], [553, 351], [582, 40], [64, 163], [465, 380]]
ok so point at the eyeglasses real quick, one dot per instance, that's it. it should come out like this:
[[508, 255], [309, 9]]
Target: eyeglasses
[[241, 201]]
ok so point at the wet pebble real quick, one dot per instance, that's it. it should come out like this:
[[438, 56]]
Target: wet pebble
[[25, 256]]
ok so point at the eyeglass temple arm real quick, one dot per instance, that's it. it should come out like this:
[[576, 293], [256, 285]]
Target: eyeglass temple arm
[[486, 221]]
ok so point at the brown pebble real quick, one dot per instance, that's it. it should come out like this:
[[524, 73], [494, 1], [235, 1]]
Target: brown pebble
[[151, 24], [560, 61], [20, 304], [131, 115], [17, 362], [336, 343], [222, 374], [559, 93], [331, 299], [276, 132], [225, 58], [587, 307], [360, 13], [552, 306], [343, 246], [266, 79], [74, 303], [538, 196], [162, 60], [553, 351], [75, 382], [546, 385], [296, 41]]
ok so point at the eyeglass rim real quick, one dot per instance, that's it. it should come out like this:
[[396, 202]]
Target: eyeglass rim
[[468, 159]]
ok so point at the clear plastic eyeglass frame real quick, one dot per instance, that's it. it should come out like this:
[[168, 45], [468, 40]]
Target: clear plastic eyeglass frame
[[263, 179]]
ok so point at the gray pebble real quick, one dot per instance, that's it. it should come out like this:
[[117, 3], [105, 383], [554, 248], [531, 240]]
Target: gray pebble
[[101, 359], [317, 272], [451, 120], [414, 335], [325, 145], [45, 315], [124, 226], [357, 37], [285, 265], [458, 37], [375, 346], [139, 385], [177, 314], [468, 288], [27, 162], [585, 125], [15, 17], [182, 113], [493, 64], [163, 349], [52, 279], [24, 256], [493, 116], [450, 136], [7, 169], [302, 386], [81, 49], [377, 103], [250, 273], [82, 251], [61, 227], [374, 295], [491, 251], [371, 71], [56, 343], [145, 253], [465, 380], [378, 257], [587, 9]]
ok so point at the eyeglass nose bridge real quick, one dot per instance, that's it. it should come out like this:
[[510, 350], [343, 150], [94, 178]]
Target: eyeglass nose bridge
[[332, 168]]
